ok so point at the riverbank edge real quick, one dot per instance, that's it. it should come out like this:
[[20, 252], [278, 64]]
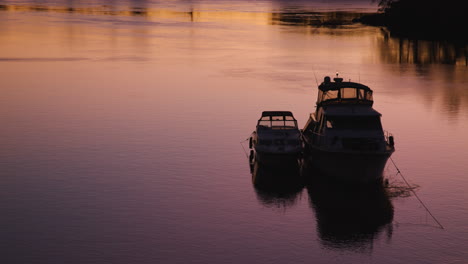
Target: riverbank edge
[[415, 28]]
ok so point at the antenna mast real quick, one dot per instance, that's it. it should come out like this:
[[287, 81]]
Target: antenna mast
[[316, 81]]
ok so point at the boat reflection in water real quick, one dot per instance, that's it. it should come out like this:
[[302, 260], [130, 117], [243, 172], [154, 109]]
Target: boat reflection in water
[[277, 185], [350, 217]]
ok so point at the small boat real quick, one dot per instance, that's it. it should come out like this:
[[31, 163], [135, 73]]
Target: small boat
[[277, 136], [344, 138]]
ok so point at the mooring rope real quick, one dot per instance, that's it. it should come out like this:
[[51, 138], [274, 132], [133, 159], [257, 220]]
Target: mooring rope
[[415, 195], [245, 151]]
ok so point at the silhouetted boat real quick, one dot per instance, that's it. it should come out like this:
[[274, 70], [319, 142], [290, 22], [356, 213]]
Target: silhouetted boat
[[344, 138], [276, 136]]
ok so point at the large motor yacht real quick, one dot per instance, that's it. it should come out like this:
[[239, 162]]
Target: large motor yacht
[[344, 138]]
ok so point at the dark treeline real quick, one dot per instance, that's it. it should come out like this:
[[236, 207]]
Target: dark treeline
[[429, 19]]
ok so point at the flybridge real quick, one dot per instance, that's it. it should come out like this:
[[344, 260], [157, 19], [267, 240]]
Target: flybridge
[[277, 120], [339, 92]]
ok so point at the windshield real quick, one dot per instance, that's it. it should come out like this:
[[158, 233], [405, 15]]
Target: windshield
[[278, 122], [345, 93]]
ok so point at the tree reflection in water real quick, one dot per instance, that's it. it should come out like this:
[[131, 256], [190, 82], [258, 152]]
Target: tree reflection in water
[[413, 51]]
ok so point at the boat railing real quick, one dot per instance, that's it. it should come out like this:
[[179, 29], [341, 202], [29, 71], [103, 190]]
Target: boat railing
[[319, 140], [389, 138]]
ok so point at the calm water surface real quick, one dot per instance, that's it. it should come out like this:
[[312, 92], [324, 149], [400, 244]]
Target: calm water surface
[[121, 126]]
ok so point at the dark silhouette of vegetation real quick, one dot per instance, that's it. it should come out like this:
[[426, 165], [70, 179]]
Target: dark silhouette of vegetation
[[428, 19]]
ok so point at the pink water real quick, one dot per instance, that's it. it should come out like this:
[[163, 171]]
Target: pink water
[[120, 134]]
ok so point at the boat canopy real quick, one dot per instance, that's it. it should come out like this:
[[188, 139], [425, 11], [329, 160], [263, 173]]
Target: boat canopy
[[339, 92], [277, 120]]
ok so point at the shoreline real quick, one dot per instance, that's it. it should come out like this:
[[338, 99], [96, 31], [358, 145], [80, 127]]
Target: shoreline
[[421, 20]]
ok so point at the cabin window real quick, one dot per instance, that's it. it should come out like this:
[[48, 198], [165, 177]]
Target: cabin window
[[277, 123], [320, 96], [369, 95], [329, 95], [348, 93], [264, 123], [354, 123], [361, 94], [290, 123]]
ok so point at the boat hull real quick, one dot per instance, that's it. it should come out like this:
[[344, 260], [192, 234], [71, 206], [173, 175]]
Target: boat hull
[[277, 159], [358, 167]]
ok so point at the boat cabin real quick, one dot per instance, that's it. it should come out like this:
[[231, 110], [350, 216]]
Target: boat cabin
[[339, 92], [277, 120], [349, 118]]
